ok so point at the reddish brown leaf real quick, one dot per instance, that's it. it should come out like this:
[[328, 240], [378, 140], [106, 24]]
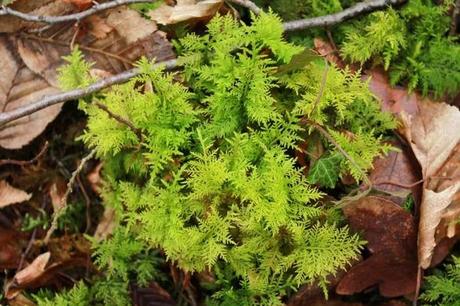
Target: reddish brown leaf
[[329, 52], [10, 250], [391, 235], [397, 173], [81, 4], [393, 99]]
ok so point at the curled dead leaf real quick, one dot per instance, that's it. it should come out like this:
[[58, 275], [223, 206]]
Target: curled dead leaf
[[434, 137], [10, 195], [34, 270]]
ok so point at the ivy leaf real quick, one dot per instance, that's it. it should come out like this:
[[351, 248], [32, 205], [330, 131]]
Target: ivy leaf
[[326, 170]]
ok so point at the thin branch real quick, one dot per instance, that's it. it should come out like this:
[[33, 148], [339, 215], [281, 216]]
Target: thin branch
[[25, 162], [248, 4], [399, 184], [6, 11], [328, 20], [120, 119], [322, 86], [76, 94], [61, 209], [455, 14]]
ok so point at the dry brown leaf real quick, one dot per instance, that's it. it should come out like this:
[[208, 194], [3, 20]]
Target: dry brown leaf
[[391, 235], [433, 133], [130, 25], [29, 63], [10, 24], [185, 11], [34, 270], [98, 27], [10, 195]]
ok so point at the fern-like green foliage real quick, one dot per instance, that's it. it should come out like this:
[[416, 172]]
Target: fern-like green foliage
[[443, 288], [411, 43], [208, 175], [79, 295], [76, 73]]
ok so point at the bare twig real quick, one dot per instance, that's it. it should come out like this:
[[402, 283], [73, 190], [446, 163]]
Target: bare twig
[[322, 86], [248, 4], [399, 184], [77, 93], [328, 20], [81, 47], [25, 162], [6, 11], [455, 13], [120, 119], [58, 213]]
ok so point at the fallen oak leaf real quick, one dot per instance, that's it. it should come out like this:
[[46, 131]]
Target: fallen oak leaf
[[391, 235], [433, 135], [10, 195], [185, 11]]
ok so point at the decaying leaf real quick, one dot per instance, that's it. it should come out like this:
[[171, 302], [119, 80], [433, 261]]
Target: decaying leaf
[[113, 40], [433, 133], [391, 235], [10, 195], [34, 270], [185, 10]]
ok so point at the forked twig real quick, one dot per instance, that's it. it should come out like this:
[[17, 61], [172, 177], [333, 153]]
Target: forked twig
[[61, 209], [6, 11]]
